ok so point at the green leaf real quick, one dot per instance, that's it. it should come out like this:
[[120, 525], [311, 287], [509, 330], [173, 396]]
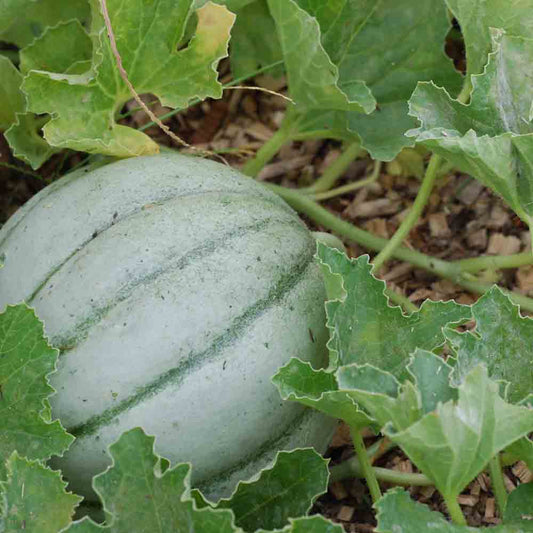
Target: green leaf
[[141, 494], [26, 142], [147, 33], [10, 95], [379, 43], [522, 450], [250, 47], [477, 17], [21, 21], [381, 395], [519, 506], [492, 137], [309, 524], [502, 341], [26, 360], [34, 498], [398, 513], [464, 435], [287, 490], [314, 81], [364, 328], [432, 379], [65, 48], [298, 381]]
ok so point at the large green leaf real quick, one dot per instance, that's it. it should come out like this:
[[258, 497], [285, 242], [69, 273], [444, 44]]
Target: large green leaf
[[502, 341], [314, 81], [464, 434], [22, 21], [34, 498], [83, 106], [477, 17], [254, 43], [26, 360], [492, 137], [364, 328], [377, 43], [141, 494], [398, 513], [287, 490]]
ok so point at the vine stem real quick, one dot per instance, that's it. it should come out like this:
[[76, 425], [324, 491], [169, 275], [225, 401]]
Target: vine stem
[[414, 213], [334, 171], [494, 262], [498, 485], [253, 166], [366, 467], [432, 173], [350, 187], [439, 267], [393, 477], [456, 513]]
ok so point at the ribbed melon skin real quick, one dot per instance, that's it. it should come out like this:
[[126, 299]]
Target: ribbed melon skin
[[174, 288]]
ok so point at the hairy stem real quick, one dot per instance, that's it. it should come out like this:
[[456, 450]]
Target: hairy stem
[[494, 262], [350, 187], [334, 171], [444, 269], [366, 467], [271, 147], [393, 477], [456, 514], [414, 213], [352, 468], [498, 485]]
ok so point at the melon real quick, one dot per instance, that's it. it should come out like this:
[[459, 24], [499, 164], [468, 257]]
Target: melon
[[174, 288]]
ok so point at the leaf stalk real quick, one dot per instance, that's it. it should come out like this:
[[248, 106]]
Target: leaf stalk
[[498, 484], [456, 513], [366, 467], [350, 187], [414, 213], [271, 147], [334, 171]]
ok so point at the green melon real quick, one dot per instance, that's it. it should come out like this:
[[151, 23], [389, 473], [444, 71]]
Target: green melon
[[174, 288]]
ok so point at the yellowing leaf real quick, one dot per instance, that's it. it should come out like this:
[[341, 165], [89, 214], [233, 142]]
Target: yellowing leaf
[[83, 106]]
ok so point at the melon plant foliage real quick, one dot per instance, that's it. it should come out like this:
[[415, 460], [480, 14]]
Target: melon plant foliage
[[365, 71]]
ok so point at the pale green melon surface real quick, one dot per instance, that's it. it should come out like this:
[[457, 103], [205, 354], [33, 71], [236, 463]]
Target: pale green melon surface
[[175, 288]]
